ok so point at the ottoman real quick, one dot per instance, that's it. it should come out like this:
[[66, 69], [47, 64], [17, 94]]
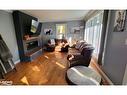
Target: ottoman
[[81, 75]]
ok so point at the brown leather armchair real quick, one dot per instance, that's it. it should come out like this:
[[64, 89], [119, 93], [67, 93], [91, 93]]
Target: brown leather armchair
[[50, 46], [65, 47]]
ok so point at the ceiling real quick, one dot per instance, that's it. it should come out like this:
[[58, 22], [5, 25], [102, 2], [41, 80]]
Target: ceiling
[[57, 15]]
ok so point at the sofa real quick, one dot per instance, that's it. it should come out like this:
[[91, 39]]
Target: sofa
[[80, 55]]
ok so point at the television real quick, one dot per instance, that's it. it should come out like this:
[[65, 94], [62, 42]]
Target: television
[[34, 27]]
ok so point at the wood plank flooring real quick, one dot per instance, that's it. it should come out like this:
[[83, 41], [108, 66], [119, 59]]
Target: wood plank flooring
[[48, 69]]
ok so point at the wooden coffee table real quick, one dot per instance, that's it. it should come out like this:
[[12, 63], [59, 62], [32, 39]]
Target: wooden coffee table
[[81, 75]]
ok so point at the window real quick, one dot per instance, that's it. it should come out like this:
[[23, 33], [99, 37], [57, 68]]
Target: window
[[61, 30], [93, 31]]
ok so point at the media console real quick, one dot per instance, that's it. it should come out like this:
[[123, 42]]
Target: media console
[[31, 47]]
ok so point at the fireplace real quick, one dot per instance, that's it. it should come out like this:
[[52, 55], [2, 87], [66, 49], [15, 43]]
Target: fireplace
[[31, 45]]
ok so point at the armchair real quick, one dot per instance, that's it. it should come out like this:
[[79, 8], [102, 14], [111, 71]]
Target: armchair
[[50, 46], [65, 47]]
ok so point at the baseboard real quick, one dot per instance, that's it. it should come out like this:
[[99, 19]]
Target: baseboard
[[124, 82], [16, 62], [102, 73]]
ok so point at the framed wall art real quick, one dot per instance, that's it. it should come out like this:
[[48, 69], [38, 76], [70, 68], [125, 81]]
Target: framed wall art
[[120, 18], [48, 31], [75, 30]]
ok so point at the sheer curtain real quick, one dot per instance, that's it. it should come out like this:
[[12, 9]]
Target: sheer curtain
[[93, 31]]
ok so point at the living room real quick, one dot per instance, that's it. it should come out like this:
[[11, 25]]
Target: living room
[[40, 56]]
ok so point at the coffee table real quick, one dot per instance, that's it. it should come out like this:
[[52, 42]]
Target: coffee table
[[81, 75]]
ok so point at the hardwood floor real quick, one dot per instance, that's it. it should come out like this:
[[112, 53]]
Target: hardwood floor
[[48, 69]]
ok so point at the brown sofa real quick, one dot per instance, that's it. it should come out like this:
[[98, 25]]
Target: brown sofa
[[78, 48], [80, 55]]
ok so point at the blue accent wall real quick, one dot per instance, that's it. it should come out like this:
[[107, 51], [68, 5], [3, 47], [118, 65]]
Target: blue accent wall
[[70, 25], [115, 56]]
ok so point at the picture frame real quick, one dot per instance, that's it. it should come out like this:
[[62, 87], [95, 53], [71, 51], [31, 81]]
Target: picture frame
[[75, 30], [48, 31], [120, 19]]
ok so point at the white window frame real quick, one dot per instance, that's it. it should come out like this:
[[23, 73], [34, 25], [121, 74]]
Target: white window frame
[[61, 33]]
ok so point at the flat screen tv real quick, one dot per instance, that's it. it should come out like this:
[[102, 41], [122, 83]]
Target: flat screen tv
[[34, 27]]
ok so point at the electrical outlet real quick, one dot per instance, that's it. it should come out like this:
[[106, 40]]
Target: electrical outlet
[[125, 41]]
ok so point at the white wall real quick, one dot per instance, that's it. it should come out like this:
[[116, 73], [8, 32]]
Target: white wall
[[8, 33]]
